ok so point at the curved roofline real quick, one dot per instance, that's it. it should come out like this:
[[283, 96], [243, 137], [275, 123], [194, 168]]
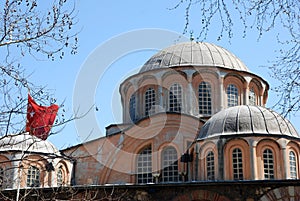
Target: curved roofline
[[51, 155], [27, 143], [194, 53], [245, 120]]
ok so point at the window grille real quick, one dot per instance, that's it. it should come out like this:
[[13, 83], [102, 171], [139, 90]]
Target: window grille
[[252, 97], [60, 178], [268, 164], [232, 95], [144, 166], [204, 98], [170, 165], [175, 98], [132, 108], [149, 101], [33, 177], [293, 165], [210, 166], [237, 164]]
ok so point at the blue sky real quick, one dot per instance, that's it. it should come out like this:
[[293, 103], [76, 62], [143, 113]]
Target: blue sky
[[101, 21]]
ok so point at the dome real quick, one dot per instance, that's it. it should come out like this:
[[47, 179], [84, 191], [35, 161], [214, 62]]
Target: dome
[[245, 120], [28, 143], [194, 54]]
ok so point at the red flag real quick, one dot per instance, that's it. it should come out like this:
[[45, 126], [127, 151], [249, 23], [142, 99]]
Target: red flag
[[40, 118]]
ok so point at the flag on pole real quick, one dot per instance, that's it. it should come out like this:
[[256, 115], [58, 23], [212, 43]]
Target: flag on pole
[[40, 118]]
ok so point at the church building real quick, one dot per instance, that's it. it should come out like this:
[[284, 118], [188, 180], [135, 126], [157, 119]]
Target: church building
[[195, 128]]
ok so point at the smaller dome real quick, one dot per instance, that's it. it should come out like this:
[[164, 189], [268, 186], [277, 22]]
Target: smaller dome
[[197, 54], [28, 143], [246, 119]]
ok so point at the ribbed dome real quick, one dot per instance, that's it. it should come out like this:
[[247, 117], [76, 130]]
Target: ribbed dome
[[28, 143], [194, 54], [247, 120]]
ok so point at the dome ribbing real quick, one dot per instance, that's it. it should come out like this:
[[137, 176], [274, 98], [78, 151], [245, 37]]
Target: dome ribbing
[[27, 143], [246, 119], [194, 54]]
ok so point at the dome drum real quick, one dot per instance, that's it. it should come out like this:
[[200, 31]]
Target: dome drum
[[176, 89], [199, 87], [34, 160]]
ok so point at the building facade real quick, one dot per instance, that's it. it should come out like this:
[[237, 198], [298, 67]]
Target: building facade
[[27, 161], [195, 127]]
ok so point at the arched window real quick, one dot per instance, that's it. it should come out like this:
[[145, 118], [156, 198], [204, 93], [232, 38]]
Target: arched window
[[293, 165], [232, 95], [268, 164], [170, 165], [132, 108], [210, 166], [175, 98], [149, 101], [144, 166], [252, 97], [60, 176], [204, 98], [237, 164], [33, 177]]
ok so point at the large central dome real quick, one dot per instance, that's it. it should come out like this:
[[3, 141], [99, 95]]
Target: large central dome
[[194, 54]]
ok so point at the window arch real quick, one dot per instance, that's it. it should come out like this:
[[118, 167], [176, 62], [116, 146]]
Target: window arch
[[210, 166], [170, 165], [132, 108], [252, 97], [144, 166], [149, 101], [237, 164], [33, 177], [175, 98], [293, 165], [268, 160], [232, 95], [204, 98]]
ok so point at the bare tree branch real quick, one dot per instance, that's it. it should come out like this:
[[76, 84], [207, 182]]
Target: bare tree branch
[[40, 31], [263, 16]]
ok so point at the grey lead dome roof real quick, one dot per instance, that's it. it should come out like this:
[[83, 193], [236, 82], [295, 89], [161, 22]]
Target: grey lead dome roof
[[27, 143], [246, 119], [194, 54]]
